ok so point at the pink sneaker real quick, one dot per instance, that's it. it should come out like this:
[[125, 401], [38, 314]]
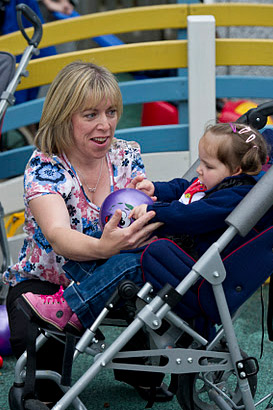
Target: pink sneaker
[[75, 323], [52, 309]]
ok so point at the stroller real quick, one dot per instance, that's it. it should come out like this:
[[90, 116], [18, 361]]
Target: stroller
[[10, 78], [189, 356], [9, 81]]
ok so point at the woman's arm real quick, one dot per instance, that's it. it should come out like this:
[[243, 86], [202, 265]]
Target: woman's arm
[[51, 215]]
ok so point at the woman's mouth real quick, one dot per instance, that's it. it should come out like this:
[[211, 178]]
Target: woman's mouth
[[100, 140]]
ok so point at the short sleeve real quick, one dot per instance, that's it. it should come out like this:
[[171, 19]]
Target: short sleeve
[[46, 175]]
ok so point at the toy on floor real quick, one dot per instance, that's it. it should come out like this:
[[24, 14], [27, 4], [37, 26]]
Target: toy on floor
[[125, 199], [5, 348]]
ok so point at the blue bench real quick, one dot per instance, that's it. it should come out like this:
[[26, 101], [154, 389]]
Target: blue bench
[[165, 138]]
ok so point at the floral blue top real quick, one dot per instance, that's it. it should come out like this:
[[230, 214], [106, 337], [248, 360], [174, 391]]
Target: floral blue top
[[55, 175]]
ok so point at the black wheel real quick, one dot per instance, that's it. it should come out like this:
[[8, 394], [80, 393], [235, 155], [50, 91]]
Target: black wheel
[[16, 398], [192, 392], [16, 401]]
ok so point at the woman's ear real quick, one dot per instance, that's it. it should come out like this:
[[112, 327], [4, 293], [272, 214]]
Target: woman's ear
[[237, 171]]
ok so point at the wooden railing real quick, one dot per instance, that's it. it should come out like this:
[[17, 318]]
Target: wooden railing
[[146, 56]]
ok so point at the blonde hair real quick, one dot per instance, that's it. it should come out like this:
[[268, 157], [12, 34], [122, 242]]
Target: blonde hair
[[239, 145], [77, 85]]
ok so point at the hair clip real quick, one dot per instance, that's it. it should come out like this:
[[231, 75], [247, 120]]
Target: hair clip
[[251, 138], [244, 130], [233, 127]]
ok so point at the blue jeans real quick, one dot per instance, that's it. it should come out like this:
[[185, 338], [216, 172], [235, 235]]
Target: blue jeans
[[96, 281]]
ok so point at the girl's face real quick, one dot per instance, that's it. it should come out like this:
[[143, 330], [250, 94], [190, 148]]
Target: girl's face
[[93, 130], [211, 171]]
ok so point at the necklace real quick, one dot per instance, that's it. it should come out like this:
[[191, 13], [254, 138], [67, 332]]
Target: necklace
[[93, 190]]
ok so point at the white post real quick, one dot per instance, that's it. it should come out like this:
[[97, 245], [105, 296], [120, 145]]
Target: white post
[[201, 75]]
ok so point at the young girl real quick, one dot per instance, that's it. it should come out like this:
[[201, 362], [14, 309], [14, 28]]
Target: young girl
[[231, 159]]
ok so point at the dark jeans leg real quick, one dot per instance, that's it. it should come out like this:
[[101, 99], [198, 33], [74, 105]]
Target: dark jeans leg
[[96, 281], [50, 356]]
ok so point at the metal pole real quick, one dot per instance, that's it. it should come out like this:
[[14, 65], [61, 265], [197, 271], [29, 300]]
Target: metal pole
[[202, 82]]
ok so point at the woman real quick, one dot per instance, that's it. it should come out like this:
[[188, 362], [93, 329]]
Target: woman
[[77, 163]]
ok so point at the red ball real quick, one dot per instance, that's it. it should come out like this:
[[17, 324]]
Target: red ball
[[1, 362]]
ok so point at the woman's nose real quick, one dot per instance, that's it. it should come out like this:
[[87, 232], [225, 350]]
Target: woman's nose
[[103, 122]]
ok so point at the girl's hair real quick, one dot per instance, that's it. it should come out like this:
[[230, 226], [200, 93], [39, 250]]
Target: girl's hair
[[239, 145], [76, 87]]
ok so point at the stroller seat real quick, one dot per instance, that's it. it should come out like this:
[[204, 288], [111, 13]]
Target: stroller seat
[[247, 268]]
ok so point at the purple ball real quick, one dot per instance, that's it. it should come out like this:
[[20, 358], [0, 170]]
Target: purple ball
[[125, 199], [5, 348]]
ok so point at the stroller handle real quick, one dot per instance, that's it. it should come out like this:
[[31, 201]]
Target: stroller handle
[[257, 117], [30, 15]]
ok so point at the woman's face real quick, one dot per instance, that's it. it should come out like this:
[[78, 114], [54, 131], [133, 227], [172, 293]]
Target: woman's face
[[211, 171], [93, 130]]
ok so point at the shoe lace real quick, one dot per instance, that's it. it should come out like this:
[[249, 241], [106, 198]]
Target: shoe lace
[[56, 298]]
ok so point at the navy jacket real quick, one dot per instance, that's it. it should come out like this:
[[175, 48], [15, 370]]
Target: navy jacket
[[204, 220]]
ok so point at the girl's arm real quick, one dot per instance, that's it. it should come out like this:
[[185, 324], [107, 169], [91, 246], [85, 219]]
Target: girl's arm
[[51, 214], [171, 190], [200, 217]]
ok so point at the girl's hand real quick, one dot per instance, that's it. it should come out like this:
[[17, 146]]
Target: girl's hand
[[138, 211], [115, 239], [135, 181], [143, 185]]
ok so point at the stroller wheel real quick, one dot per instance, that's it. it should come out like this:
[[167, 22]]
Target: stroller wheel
[[16, 398], [16, 401], [192, 392]]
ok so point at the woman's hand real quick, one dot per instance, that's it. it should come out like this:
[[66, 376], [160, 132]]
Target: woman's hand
[[115, 239], [51, 215], [143, 185], [138, 211]]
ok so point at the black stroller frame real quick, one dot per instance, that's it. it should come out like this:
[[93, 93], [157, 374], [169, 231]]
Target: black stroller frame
[[7, 96], [207, 359]]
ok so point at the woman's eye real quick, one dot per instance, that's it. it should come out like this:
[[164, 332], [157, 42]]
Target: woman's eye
[[112, 113], [90, 115]]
